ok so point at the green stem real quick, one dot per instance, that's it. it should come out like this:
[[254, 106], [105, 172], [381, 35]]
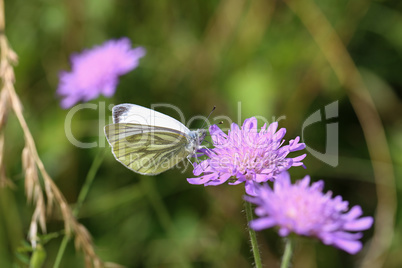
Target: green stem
[[81, 197], [287, 255], [60, 253], [253, 236], [89, 179]]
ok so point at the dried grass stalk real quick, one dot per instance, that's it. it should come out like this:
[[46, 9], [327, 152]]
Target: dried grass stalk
[[4, 181], [43, 199]]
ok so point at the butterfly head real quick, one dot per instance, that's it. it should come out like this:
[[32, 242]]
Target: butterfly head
[[201, 133], [196, 138]]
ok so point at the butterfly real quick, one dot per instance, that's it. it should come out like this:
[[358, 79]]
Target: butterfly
[[149, 142]]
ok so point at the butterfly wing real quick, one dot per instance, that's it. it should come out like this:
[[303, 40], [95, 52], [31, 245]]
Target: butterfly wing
[[135, 114], [146, 149]]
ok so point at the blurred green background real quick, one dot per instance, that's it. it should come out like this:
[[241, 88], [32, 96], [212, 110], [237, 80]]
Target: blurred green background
[[264, 54]]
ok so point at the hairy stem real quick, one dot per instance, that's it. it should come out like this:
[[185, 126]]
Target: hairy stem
[[253, 236]]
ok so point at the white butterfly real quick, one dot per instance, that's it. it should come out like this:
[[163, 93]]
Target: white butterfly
[[149, 142]]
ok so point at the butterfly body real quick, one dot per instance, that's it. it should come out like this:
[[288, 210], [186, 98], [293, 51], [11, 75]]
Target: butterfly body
[[149, 142]]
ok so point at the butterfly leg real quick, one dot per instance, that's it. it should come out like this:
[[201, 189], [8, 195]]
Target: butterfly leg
[[206, 148], [188, 158]]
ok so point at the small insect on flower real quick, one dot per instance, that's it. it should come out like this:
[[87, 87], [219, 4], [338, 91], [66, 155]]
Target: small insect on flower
[[247, 155], [307, 211], [95, 71]]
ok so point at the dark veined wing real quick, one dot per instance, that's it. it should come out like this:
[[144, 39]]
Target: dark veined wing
[[147, 150]]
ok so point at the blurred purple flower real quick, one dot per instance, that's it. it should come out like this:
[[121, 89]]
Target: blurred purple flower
[[305, 210], [95, 71], [247, 155]]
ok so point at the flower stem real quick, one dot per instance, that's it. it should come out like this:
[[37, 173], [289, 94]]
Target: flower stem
[[81, 197], [253, 236], [287, 255]]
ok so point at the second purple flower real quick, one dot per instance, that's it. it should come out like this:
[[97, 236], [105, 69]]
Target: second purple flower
[[305, 210]]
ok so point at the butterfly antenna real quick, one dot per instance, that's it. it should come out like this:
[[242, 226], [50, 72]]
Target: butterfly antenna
[[213, 109]]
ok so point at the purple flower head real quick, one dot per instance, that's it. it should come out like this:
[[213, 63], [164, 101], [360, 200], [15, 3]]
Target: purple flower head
[[246, 155], [95, 71], [306, 210]]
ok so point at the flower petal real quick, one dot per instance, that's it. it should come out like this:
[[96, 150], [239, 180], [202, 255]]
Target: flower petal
[[360, 224], [262, 223]]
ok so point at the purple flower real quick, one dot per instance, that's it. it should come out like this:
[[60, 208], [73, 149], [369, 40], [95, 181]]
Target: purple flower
[[95, 71], [247, 155], [305, 210]]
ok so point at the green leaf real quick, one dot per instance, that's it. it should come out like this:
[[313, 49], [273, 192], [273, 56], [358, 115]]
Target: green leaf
[[38, 257]]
